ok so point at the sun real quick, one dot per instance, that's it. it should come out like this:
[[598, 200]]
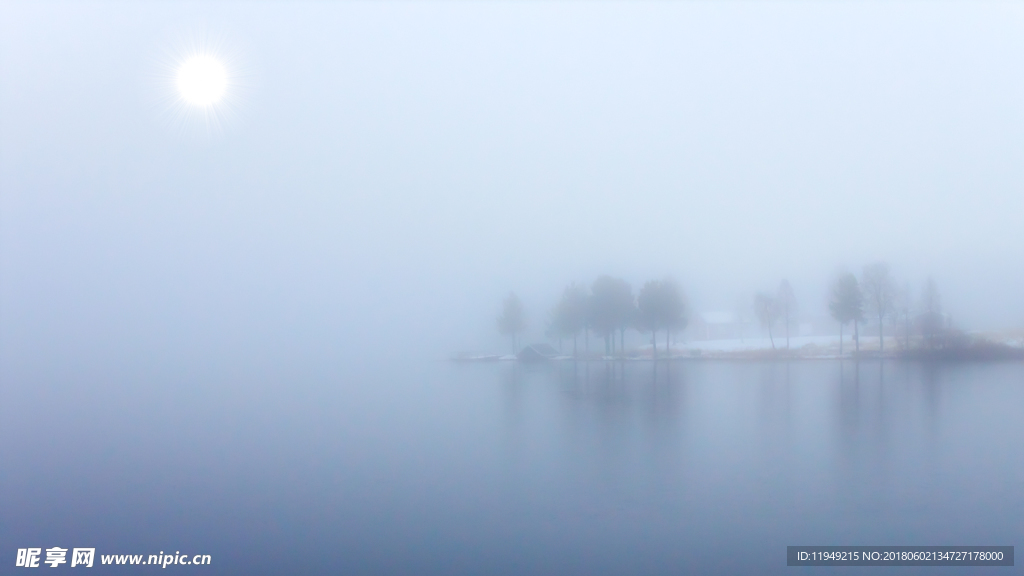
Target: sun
[[200, 84], [202, 81]]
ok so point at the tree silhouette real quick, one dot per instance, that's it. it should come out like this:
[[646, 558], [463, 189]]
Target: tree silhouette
[[767, 310], [602, 309], [624, 310], [627, 320], [648, 310], [512, 320], [660, 305], [785, 301], [880, 293], [677, 315], [611, 308], [846, 304], [570, 314]]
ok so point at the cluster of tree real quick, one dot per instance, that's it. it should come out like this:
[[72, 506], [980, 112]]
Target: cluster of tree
[[608, 309], [878, 295]]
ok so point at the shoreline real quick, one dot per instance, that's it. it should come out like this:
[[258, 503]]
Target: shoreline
[[982, 352]]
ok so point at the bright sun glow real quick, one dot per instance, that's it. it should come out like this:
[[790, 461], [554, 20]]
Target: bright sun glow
[[202, 80]]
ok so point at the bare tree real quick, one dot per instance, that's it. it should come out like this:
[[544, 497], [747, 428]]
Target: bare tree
[[785, 300], [512, 320], [879, 293], [846, 304], [767, 311]]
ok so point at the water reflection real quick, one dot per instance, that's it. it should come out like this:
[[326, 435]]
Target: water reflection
[[612, 396], [778, 441], [561, 468]]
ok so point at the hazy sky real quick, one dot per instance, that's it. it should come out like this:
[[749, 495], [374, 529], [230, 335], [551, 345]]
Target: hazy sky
[[386, 172]]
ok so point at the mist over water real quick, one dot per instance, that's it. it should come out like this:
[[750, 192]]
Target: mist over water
[[231, 340]]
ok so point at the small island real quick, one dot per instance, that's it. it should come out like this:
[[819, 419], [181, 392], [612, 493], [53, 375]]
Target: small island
[[870, 317]]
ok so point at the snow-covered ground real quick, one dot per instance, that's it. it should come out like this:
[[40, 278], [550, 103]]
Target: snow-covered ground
[[804, 346], [737, 345]]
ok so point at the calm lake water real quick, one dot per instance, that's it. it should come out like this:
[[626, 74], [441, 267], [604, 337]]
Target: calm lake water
[[440, 468]]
